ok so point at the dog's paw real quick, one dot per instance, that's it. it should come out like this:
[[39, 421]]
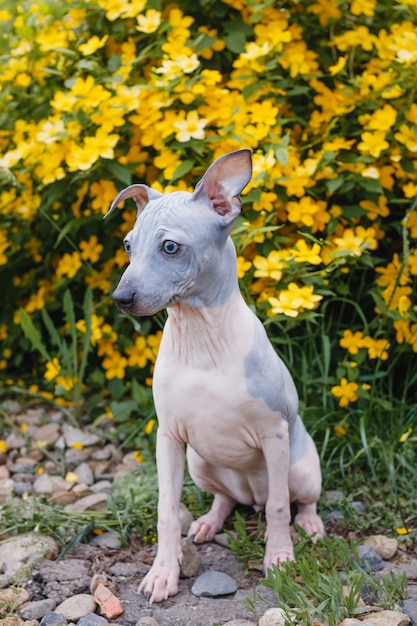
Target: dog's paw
[[312, 524], [277, 555], [160, 583], [205, 527]]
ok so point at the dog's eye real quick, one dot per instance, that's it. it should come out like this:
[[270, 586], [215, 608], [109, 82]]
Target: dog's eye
[[170, 247], [126, 244]]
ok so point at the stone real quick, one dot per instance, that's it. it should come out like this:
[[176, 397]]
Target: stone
[[6, 489], [22, 465], [410, 609], [48, 433], [62, 579], [15, 440], [186, 519], [21, 487], [77, 606], [13, 597], [92, 620], [351, 621], [223, 539], [370, 561], [333, 495], [388, 618], [191, 562], [273, 617], [212, 584], [385, 546], [239, 622], [46, 484], [110, 605], [84, 473], [94, 502], [11, 620], [108, 540], [37, 609], [76, 435], [53, 619], [4, 471], [26, 549], [147, 620]]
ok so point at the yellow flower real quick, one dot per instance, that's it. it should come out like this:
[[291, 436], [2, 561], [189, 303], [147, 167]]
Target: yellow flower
[[373, 143], [91, 249], [52, 369], [352, 341], [408, 137], [363, 7], [77, 445], [325, 10], [139, 354], [340, 430], [242, 266], [345, 391], [138, 456], [294, 300], [404, 531], [92, 45], [115, 365], [355, 242], [66, 382], [149, 22], [68, 265], [192, 127], [150, 427], [71, 477], [306, 211], [3, 446], [303, 254], [270, 267], [377, 348], [339, 66], [405, 435]]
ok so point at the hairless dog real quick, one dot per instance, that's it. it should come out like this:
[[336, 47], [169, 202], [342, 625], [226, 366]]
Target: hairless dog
[[222, 395]]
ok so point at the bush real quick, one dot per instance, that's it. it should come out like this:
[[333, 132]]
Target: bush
[[97, 95]]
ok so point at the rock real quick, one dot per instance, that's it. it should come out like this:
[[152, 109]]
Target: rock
[[186, 519], [101, 578], [77, 606], [77, 436], [388, 618], [37, 609], [147, 620], [239, 622], [352, 621], [110, 605], [385, 546], [4, 471], [21, 487], [53, 619], [13, 597], [22, 465], [93, 502], [62, 498], [333, 495], [273, 617], [102, 486], [213, 584], [92, 620], [84, 474], [74, 456], [370, 561], [11, 620], [15, 441], [46, 484], [47, 434], [26, 549], [191, 562], [222, 539], [410, 609], [62, 579], [108, 540], [6, 489]]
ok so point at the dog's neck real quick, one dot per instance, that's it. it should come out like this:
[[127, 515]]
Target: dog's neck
[[200, 336]]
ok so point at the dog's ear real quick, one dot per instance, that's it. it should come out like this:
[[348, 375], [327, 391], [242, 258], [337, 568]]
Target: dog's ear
[[223, 182], [141, 194]]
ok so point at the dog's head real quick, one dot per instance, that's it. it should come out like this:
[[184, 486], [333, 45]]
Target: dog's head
[[179, 249]]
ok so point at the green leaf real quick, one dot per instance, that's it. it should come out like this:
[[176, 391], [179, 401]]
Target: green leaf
[[32, 333], [119, 171], [183, 169], [371, 185]]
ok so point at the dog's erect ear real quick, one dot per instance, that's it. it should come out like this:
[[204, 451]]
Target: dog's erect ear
[[141, 194], [223, 182]]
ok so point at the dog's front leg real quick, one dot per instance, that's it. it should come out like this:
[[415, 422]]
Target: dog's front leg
[[162, 579], [279, 546]]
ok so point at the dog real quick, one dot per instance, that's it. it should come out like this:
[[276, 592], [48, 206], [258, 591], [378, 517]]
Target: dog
[[223, 396]]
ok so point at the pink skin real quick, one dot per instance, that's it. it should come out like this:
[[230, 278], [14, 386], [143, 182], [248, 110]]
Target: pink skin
[[221, 392]]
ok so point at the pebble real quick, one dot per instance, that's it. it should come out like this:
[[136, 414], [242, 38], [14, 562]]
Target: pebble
[[108, 541], [370, 561], [385, 546], [191, 561], [76, 435], [91, 620], [84, 473], [21, 487], [48, 433], [53, 619], [147, 620], [13, 596], [410, 609], [388, 618], [93, 502], [46, 484], [239, 622], [26, 549], [77, 606], [273, 617], [37, 609], [11, 620], [213, 584], [186, 519], [6, 489]]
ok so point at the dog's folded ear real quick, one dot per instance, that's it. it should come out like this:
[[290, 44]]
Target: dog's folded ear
[[141, 194], [224, 180]]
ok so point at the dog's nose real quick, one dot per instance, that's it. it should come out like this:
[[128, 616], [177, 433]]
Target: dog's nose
[[123, 298]]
